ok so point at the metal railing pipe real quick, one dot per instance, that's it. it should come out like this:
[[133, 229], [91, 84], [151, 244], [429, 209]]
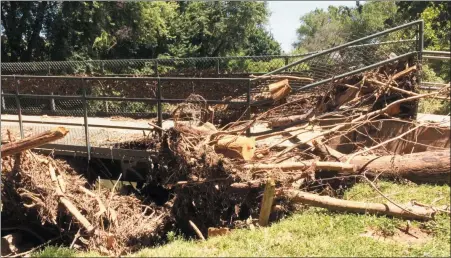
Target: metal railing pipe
[[330, 50]]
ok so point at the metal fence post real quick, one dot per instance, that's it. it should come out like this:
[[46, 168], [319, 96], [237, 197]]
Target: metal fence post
[[248, 100], [52, 104], [52, 100], [159, 107], [217, 67], [102, 68], [3, 102], [156, 69], [85, 116], [19, 107], [420, 41], [420, 60]]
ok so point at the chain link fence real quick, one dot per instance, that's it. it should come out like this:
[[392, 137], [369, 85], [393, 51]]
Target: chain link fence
[[163, 67], [356, 56]]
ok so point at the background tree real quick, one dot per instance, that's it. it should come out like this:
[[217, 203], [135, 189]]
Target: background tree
[[33, 31]]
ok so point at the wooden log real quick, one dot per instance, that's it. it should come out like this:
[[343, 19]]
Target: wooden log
[[33, 141], [289, 120], [279, 90], [421, 167], [275, 91], [266, 205], [320, 165], [231, 144], [416, 212]]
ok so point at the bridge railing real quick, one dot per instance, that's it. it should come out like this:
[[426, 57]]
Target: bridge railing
[[88, 97]]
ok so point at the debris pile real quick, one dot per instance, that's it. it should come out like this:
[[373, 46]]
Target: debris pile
[[215, 178]]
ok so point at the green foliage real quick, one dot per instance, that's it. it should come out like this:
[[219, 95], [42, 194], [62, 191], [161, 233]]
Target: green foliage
[[56, 31], [250, 66], [261, 43], [321, 29], [429, 75]]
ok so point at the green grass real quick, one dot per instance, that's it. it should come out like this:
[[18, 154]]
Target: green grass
[[318, 232]]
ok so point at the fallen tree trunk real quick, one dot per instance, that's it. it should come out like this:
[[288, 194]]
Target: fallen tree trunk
[[411, 212], [33, 141], [421, 167]]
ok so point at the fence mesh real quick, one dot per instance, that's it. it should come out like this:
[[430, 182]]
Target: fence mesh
[[177, 67]]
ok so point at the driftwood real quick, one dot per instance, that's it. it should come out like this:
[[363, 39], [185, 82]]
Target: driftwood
[[290, 120], [67, 203], [407, 212], [33, 141]]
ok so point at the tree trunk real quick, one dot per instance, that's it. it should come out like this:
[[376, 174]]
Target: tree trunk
[[37, 26], [416, 212], [33, 141], [420, 167]]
